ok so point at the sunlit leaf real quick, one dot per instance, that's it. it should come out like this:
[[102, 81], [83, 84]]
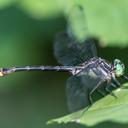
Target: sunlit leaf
[[6, 3], [40, 8], [106, 20]]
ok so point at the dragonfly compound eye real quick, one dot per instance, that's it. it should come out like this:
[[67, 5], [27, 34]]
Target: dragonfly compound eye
[[118, 67]]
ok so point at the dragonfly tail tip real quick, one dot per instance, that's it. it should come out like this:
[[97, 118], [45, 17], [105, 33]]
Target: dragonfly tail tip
[[1, 72]]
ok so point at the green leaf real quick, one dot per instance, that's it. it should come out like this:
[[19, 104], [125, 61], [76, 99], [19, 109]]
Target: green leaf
[[40, 8], [106, 20], [6, 3], [107, 109]]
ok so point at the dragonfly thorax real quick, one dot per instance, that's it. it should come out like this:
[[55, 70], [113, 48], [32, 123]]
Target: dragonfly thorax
[[96, 67], [118, 68]]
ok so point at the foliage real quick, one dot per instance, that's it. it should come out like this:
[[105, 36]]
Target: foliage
[[106, 20], [27, 30]]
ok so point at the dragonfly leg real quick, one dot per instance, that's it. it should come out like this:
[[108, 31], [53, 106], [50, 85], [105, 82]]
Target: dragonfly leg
[[114, 85], [94, 89], [117, 82], [126, 77], [101, 92], [110, 92]]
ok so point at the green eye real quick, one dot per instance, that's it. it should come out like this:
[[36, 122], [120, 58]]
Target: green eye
[[119, 67]]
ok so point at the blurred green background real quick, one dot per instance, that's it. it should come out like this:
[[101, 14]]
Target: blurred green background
[[27, 30]]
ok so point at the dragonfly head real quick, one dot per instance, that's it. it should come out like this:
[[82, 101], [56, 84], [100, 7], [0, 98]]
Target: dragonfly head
[[118, 68]]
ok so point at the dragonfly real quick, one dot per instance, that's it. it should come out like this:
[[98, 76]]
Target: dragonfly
[[88, 72]]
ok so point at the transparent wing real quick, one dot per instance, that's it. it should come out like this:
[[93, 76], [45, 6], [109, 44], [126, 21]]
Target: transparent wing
[[77, 89], [77, 23], [77, 94], [75, 46], [70, 52]]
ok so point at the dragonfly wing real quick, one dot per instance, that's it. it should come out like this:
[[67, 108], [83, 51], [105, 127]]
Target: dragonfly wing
[[78, 89], [64, 51], [77, 94], [69, 52], [88, 49]]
